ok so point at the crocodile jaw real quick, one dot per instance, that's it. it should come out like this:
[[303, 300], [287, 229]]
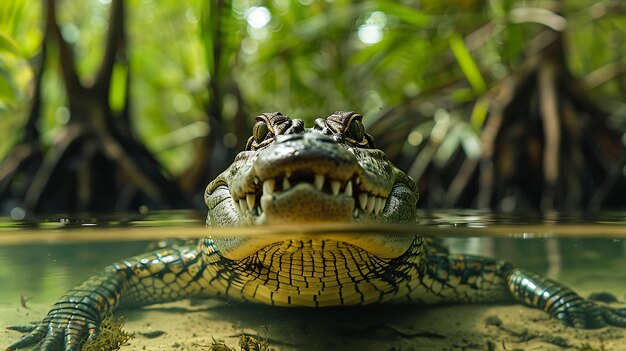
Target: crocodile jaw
[[304, 179], [313, 197]]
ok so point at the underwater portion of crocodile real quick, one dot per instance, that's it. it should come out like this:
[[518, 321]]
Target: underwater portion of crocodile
[[290, 174]]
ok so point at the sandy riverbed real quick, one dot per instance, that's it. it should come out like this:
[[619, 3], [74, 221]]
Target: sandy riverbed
[[192, 326]]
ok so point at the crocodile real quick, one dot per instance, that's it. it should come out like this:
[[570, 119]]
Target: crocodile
[[289, 174]]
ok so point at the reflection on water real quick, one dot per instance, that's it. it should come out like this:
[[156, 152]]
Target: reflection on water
[[588, 253], [44, 268], [165, 225]]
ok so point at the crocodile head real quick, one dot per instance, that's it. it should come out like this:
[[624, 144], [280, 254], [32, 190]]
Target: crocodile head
[[289, 174], [329, 173]]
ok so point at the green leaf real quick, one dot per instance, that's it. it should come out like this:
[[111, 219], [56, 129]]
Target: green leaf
[[7, 44], [467, 64], [405, 13], [479, 113], [8, 92], [117, 93]]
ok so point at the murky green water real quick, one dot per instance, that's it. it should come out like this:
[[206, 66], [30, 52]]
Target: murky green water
[[39, 261]]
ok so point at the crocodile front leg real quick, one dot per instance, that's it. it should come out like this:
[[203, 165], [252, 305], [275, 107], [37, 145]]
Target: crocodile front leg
[[561, 302], [159, 276], [467, 278]]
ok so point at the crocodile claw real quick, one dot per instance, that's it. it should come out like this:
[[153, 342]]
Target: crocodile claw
[[614, 316], [62, 329], [22, 328], [589, 315]]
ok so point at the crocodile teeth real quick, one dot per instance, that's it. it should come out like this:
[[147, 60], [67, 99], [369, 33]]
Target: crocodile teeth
[[250, 199], [363, 200], [348, 191], [266, 200], [371, 201], [286, 184], [378, 205], [334, 186], [268, 186], [319, 181]]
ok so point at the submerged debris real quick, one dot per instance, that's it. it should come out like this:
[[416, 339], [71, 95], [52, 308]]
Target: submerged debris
[[24, 299], [219, 346], [111, 336], [246, 343], [152, 334], [493, 320], [252, 343]]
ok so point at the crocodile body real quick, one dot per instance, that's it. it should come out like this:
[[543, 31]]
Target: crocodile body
[[291, 174]]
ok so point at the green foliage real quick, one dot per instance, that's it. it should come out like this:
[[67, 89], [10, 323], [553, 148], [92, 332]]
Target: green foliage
[[20, 38], [111, 336], [169, 77], [193, 59], [467, 63]]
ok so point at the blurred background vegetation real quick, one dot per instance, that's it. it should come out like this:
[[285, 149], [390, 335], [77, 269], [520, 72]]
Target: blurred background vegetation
[[132, 105]]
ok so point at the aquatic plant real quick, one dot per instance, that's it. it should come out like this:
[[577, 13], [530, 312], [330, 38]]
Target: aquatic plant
[[111, 336]]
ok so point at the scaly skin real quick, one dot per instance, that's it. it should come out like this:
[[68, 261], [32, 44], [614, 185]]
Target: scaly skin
[[290, 174]]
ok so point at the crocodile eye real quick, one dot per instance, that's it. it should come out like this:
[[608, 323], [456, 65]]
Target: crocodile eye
[[356, 131], [259, 131]]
